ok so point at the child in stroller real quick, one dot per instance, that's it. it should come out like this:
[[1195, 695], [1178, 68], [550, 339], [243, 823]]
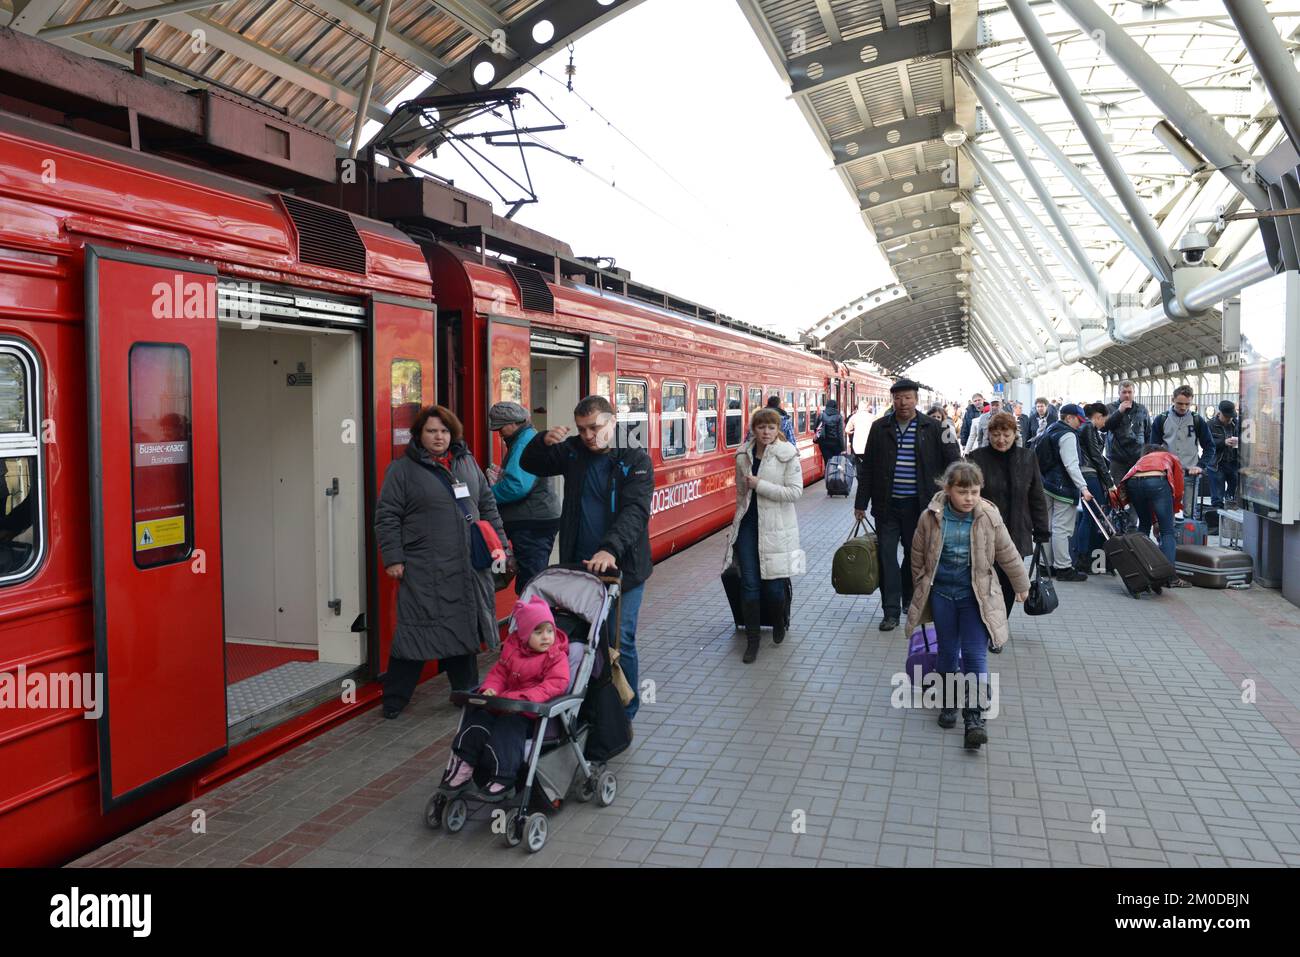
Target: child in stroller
[[520, 733], [534, 666]]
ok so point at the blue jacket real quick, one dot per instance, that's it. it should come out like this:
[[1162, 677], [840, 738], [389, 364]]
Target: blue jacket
[[524, 499]]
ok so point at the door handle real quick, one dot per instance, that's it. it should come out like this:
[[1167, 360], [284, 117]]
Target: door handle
[[335, 603]]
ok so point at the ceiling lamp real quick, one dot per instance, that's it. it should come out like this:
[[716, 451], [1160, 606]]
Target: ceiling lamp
[[959, 250], [954, 136], [958, 206]]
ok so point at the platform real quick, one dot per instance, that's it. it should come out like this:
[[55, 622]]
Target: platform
[[1130, 708]]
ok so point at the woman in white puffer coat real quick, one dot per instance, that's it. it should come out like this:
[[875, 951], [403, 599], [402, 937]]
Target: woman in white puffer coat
[[765, 532]]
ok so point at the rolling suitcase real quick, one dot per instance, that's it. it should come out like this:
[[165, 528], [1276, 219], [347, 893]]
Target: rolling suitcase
[[1193, 529], [767, 614], [840, 475], [1212, 567], [1138, 561]]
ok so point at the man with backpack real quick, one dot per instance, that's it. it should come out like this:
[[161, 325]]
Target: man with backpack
[[1182, 430], [1064, 484]]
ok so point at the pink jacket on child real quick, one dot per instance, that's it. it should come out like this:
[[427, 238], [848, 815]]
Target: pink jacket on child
[[529, 675]]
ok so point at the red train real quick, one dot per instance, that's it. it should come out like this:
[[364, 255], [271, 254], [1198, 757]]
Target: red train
[[228, 369]]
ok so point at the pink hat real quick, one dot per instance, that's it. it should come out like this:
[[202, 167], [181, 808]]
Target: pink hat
[[529, 614]]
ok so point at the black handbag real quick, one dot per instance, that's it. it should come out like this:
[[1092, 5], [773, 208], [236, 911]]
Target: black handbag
[[1042, 598]]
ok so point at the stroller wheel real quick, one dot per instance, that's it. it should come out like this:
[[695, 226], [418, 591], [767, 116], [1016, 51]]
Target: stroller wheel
[[514, 828], [433, 812], [535, 828], [454, 816], [606, 788]]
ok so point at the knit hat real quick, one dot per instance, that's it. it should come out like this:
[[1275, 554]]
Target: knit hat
[[529, 614], [506, 413]]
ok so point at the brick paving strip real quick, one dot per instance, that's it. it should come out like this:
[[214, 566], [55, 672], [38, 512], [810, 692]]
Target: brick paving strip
[[1132, 708]]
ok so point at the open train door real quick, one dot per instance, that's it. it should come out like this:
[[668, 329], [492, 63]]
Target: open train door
[[509, 372], [402, 377], [155, 496], [603, 361]]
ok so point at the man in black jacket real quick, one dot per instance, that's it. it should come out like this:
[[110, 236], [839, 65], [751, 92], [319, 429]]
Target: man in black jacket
[[1129, 426], [897, 475], [1096, 473], [605, 519], [973, 412], [1224, 466]]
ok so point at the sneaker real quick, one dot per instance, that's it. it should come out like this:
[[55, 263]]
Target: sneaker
[[459, 774], [889, 624], [495, 792]]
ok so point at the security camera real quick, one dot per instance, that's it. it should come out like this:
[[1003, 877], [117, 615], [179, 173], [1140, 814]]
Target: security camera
[[1193, 247]]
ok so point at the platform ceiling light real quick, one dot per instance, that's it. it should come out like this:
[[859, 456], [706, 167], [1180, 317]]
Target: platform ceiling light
[[959, 250], [954, 136], [958, 206]]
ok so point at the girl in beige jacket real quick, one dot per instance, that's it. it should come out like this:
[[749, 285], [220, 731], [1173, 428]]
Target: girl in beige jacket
[[959, 539]]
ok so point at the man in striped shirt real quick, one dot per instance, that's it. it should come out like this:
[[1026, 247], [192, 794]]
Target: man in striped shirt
[[897, 475]]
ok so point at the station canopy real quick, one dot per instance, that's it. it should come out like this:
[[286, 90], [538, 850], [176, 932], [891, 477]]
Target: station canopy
[[951, 126]]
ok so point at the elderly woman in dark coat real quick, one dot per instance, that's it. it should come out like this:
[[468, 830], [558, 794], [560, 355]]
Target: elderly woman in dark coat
[[445, 606], [1013, 483]]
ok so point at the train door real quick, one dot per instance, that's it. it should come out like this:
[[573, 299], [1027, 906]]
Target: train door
[[292, 477], [156, 550], [402, 363], [559, 362]]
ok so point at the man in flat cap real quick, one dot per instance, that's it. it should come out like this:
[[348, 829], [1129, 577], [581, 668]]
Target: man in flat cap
[[530, 509], [906, 456]]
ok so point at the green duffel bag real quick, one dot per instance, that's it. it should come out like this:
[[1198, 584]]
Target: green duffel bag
[[856, 567]]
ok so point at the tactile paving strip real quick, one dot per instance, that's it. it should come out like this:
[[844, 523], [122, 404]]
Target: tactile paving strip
[[271, 688]]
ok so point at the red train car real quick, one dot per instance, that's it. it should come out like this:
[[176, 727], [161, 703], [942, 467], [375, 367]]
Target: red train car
[[202, 381]]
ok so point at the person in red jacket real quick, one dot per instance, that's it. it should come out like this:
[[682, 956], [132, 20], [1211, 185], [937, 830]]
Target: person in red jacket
[[534, 666], [1154, 484]]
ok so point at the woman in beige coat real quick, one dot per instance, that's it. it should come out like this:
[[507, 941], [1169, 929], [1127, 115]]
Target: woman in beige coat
[[959, 539], [765, 532]]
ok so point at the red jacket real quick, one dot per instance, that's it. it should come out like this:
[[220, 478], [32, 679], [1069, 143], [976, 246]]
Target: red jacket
[[528, 675], [1165, 462]]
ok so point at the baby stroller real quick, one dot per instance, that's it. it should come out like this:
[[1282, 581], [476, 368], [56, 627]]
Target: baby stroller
[[554, 762]]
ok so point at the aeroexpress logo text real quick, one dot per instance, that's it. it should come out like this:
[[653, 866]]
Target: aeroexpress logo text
[[674, 495]]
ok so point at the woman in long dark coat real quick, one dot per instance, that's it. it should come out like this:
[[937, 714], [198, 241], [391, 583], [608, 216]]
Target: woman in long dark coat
[[1012, 482], [446, 609]]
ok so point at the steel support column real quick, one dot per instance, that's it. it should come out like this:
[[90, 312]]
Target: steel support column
[[1156, 255], [368, 85], [1201, 129], [1118, 224]]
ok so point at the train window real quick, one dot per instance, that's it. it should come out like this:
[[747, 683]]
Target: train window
[[632, 416], [803, 411], [510, 386], [406, 383], [706, 418], [21, 512], [755, 400], [735, 416], [161, 487], [672, 420]]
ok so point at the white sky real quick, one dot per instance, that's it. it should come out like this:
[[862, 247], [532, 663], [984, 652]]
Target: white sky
[[745, 216]]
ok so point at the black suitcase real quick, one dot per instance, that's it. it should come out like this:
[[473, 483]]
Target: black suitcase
[[1212, 567], [1138, 561], [840, 474], [767, 614]]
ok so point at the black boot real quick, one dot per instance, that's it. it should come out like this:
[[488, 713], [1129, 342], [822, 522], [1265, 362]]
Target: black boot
[[753, 634], [975, 733], [948, 714]]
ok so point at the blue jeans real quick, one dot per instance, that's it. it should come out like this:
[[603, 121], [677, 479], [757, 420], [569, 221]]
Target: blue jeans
[[1223, 481], [630, 608], [752, 584], [1087, 536], [1152, 496], [532, 550], [963, 639]]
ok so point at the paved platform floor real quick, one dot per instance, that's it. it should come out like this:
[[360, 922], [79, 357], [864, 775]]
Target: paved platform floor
[[1123, 739]]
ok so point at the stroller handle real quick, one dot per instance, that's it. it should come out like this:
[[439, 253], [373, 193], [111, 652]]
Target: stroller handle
[[611, 577]]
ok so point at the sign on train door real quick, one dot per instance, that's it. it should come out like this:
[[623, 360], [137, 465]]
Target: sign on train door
[[151, 362], [402, 373], [509, 363], [602, 364]]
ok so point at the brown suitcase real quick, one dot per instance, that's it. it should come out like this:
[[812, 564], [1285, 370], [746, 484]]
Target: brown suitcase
[[1212, 567]]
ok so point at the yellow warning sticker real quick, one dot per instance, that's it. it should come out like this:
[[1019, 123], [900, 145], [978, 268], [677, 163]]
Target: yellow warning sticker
[[159, 532]]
